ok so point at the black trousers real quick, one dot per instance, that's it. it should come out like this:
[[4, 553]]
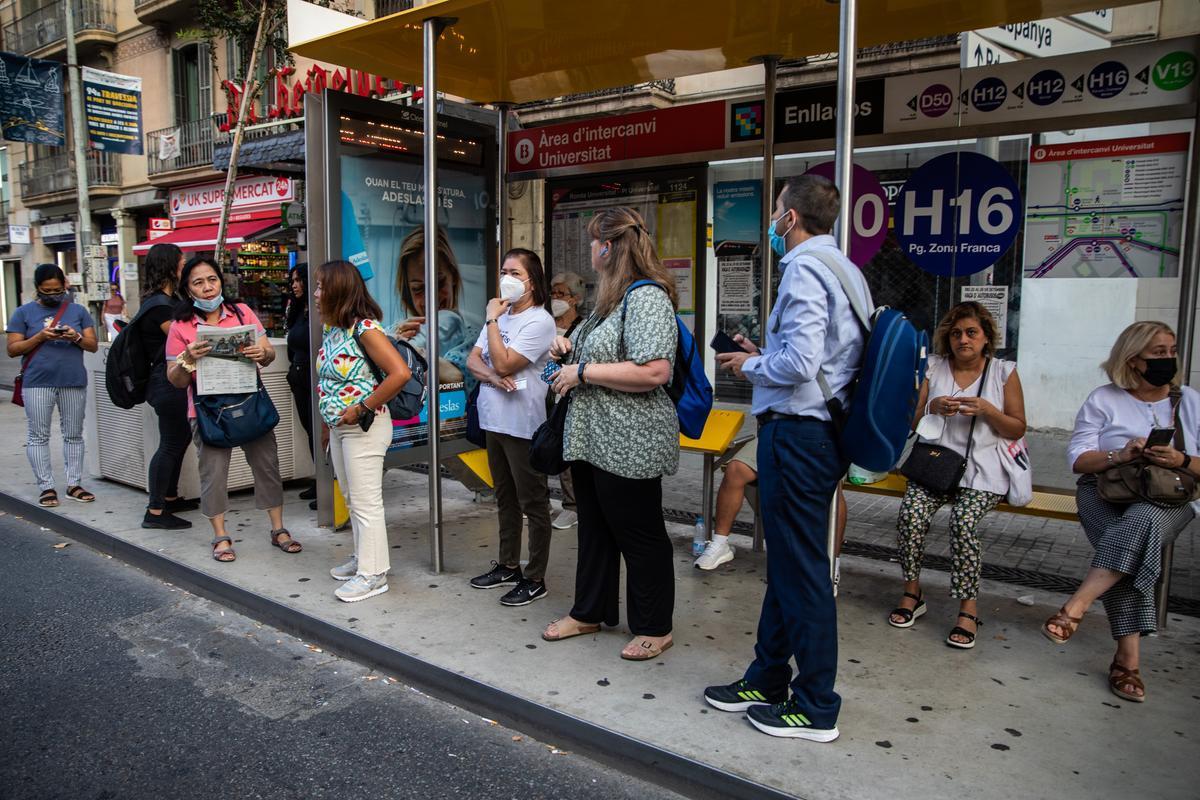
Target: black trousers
[[622, 517], [298, 382], [174, 435]]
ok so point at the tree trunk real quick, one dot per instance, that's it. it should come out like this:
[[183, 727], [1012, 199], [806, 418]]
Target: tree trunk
[[248, 96]]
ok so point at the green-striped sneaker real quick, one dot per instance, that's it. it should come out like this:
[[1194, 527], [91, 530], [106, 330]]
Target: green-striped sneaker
[[740, 695], [786, 719]]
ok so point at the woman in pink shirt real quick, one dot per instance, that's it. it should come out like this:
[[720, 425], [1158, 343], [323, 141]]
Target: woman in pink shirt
[[202, 285]]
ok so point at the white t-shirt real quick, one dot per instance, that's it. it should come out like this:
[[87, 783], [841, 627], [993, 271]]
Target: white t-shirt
[[519, 412]]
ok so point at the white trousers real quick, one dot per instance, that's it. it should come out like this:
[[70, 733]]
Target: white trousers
[[358, 463]]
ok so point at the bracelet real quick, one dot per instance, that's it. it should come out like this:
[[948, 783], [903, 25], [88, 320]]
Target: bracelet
[[1186, 461], [491, 322], [582, 367]]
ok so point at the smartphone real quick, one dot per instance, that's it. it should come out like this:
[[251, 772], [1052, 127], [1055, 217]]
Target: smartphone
[[724, 343], [365, 418], [551, 369], [1160, 436], [60, 328]]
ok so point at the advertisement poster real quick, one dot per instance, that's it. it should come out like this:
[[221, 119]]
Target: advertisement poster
[[737, 217], [112, 106], [31, 100], [382, 224], [1106, 209]]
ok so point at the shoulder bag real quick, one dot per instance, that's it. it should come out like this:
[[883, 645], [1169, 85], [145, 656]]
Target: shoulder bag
[[936, 467], [232, 420], [17, 397], [1139, 481]]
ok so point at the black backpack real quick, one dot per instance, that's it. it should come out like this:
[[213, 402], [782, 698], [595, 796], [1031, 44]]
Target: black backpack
[[127, 366]]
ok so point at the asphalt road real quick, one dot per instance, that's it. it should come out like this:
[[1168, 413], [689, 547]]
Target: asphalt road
[[116, 686]]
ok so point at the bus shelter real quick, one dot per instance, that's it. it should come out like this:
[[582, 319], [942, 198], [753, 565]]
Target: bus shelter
[[501, 52]]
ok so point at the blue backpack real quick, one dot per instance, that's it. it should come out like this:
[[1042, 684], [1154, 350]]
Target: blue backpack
[[884, 396], [689, 388]]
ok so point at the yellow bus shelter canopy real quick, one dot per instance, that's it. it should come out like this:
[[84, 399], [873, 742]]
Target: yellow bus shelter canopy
[[524, 50]]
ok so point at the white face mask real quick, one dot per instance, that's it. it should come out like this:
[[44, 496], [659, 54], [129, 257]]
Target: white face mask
[[511, 289], [931, 426], [558, 307]]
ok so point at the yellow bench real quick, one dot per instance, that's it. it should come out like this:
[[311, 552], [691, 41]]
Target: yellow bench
[[1057, 504]]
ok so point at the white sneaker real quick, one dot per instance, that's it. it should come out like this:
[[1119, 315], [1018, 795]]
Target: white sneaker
[[346, 571], [565, 519], [715, 555], [360, 587]]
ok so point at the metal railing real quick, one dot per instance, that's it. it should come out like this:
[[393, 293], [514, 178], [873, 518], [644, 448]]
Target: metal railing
[[195, 141], [57, 173], [46, 26]]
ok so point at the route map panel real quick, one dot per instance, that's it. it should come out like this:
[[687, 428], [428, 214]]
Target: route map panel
[[1106, 209]]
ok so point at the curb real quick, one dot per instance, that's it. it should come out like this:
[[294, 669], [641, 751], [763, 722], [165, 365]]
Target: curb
[[624, 753]]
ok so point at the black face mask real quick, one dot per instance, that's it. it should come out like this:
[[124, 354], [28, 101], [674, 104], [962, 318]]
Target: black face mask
[[51, 299], [1159, 371]]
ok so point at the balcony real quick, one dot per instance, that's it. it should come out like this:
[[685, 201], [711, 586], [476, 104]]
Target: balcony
[[165, 11], [195, 148], [45, 181], [3, 222], [42, 34]]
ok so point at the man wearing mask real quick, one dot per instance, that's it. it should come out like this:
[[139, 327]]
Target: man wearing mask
[[812, 332], [566, 299]]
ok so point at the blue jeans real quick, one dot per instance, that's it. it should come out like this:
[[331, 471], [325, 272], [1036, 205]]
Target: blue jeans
[[799, 466]]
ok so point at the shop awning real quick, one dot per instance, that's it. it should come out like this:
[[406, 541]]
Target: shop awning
[[204, 237], [525, 50]]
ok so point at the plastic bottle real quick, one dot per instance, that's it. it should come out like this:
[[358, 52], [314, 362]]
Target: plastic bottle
[[699, 538]]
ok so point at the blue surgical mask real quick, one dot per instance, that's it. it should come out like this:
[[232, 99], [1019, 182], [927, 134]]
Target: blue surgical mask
[[778, 243], [208, 306]]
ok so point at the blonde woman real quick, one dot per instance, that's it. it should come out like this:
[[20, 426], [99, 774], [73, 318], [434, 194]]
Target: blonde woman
[[1110, 429], [455, 336], [621, 437]]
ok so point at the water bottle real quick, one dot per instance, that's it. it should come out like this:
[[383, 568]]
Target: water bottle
[[699, 538]]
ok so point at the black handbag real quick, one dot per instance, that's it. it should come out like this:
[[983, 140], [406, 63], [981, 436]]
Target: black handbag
[[232, 420], [938, 468], [546, 446]]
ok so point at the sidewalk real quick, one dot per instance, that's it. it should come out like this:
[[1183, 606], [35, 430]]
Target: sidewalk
[[1016, 717]]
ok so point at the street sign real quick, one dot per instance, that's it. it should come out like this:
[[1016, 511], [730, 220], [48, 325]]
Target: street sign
[[18, 234], [870, 218], [1101, 19], [979, 52], [1044, 37]]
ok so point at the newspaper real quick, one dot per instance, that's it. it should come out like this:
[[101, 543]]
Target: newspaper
[[224, 370]]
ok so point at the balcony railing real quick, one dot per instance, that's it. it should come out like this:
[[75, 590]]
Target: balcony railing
[[195, 146], [56, 174], [47, 25]]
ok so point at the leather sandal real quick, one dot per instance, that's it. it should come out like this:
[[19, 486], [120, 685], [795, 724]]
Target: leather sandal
[[1123, 681], [1064, 621], [646, 649], [224, 556], [909, 614], [290, 546], [958, 630], [580, 629]]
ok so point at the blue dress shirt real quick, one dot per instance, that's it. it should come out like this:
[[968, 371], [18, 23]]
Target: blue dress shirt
[[812, 328]]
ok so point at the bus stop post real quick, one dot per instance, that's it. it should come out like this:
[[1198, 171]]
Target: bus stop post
[[1189, 267], [502, 237], [843, 170], [770, 67], [433, 29]]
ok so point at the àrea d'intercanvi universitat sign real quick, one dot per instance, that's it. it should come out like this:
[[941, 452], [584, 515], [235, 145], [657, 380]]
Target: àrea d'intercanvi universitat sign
[[252, 196]]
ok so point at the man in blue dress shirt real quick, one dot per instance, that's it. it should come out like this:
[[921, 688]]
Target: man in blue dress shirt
[[812, 331]]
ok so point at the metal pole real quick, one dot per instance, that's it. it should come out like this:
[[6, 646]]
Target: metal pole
[[433, 29], [843, 168], [79, 134], [503, 238], [1189, 267], [770, 66]]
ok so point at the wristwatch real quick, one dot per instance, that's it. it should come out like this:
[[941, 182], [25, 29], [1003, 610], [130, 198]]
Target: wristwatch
[[491, 322], [1186, 460]]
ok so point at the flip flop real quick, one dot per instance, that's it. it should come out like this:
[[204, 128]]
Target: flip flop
[[582, 629]]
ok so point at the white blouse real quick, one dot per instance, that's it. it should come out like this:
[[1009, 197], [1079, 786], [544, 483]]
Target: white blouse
[[1111, 416]]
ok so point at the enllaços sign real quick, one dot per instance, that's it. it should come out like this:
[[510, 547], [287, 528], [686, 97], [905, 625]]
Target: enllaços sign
[[958, 214]]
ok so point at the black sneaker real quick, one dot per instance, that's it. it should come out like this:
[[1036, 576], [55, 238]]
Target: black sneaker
[[165, 521], [498, 575], [787, 720], [524, 593], [740, 695], [179, 505]]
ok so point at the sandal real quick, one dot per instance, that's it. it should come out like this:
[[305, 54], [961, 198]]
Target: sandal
[[226, 555], [290, 546], [581, 629], [958, 630], [80, 495], [1123, 681], [49, 499], [646, 649], [909, 614], [1063, 621]]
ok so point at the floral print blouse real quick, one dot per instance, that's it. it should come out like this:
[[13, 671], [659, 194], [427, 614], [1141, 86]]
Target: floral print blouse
[[343, 373]]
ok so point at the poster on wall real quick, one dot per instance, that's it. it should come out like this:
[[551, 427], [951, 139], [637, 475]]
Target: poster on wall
[[735, 286], [737, 211], [382, 234], [995, 300], [31, 100], [112, 105], [1106, 209]]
